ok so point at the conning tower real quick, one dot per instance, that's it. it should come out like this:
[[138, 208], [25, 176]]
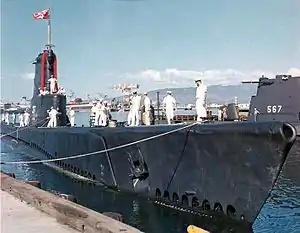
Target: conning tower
[[276, 99], [42, 100]]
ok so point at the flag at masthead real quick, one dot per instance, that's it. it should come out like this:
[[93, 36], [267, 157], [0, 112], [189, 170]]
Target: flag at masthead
[[45, 14]]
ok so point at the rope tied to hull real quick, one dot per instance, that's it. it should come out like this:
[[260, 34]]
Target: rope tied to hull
[[105, 150]]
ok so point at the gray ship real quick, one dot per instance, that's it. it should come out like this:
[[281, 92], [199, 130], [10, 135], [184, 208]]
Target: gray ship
[[223, 169]]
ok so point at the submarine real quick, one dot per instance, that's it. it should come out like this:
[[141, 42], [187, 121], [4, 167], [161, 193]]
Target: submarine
[[224, 169]]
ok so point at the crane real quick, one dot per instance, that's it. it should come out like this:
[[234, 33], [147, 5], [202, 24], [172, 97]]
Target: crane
[[126, 91]]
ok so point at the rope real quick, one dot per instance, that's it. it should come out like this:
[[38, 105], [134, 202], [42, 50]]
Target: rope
[[23, 128], [103, 151], [180, 159]]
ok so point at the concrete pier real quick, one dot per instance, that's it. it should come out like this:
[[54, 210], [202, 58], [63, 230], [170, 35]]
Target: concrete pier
[[19, 217], [26, 208]]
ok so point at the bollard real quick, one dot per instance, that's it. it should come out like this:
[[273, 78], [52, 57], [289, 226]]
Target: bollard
[[67, 197], [34, 183], [194, 229], [113, 215]]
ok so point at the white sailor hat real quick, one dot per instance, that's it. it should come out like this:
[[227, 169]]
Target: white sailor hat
[[145, 93], [198, 79], [169, 92]]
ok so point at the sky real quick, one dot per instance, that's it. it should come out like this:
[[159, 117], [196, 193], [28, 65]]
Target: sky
[[153, 43]]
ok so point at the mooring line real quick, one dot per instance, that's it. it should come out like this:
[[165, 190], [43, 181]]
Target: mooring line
[[105, 150]]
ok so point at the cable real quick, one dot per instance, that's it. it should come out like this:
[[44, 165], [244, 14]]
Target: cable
[[179, 160], [23, 128], [103, 151]]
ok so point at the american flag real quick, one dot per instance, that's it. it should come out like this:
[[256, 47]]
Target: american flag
[[44, 14]]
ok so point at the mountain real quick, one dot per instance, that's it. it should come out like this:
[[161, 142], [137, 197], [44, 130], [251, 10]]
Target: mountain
[[215, 93]]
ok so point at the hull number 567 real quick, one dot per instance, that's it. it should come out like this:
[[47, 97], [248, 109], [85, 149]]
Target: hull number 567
[[274, 108]]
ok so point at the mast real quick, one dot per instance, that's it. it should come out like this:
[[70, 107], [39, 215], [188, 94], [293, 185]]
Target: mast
[[49, 45], [51, 61]]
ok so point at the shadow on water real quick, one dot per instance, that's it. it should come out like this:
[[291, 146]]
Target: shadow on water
[[281, 213]]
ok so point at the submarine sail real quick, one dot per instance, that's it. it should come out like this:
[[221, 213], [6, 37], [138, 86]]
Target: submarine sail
[[42, 100]]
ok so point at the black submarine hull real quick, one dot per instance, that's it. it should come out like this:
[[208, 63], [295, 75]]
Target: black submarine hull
[[226, 167]]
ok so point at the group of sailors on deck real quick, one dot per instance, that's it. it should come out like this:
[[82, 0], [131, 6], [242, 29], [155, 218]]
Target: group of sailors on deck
[[100, 112], [24, 118], [169, 105], [52, 88]]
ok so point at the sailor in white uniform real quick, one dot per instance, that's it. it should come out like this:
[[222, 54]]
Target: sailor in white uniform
[[6, 118], [72, 117], [93, 111], [136, 102], [61, 91], [201, 92], [147, 104], [21, 119], [104, 113], [255, 113], [26, 118], [98, 112], [129, 116], [53, 117], [169, 103], [52, 81]]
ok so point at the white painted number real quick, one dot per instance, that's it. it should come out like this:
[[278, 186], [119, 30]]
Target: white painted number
[[274, 108]]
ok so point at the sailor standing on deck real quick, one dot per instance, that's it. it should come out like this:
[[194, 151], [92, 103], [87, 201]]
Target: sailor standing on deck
[[52, 81], [6, 118], [255, 113], [53, 120], [72, 117], [201, 92], [169, 103], [129, 116], [21, 119], [93, 111], [98, 112], [26, 118], [147, 104], [136, 102], [104, 114]]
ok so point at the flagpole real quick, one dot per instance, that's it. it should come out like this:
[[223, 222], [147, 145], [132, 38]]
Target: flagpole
[[49, 32], [49, 45]]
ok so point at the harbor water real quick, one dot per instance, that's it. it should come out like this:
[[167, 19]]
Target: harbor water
[[281, 212]]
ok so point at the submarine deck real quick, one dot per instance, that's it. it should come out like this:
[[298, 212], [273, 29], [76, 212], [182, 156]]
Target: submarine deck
[[209, 153]]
